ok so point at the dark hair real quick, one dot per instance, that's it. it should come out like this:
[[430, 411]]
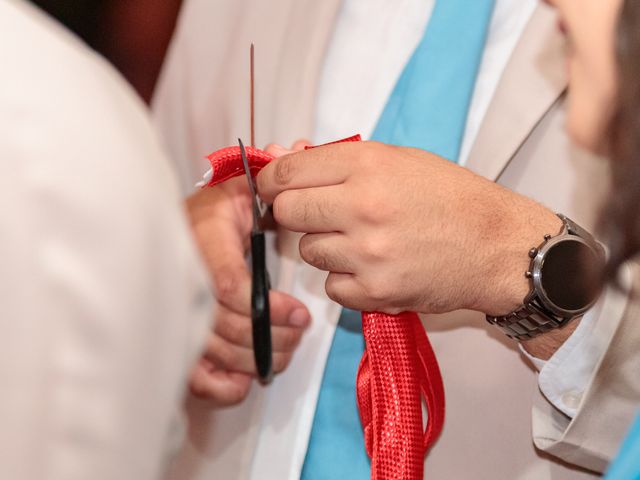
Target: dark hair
[[621, 215], [85, 18]]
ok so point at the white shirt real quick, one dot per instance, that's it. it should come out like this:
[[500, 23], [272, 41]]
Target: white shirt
[[372, 43], [103, 302]]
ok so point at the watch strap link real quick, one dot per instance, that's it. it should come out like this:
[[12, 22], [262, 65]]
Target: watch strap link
[[529, 321]]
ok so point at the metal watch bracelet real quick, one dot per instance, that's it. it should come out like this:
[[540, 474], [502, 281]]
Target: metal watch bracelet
[[529, 321]]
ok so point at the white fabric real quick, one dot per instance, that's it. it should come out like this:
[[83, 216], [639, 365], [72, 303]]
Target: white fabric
[[565, 376], [103, 300], [372, 43]]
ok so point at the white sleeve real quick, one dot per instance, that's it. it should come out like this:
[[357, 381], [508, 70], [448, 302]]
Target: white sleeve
[[564, 378], [104, 303]]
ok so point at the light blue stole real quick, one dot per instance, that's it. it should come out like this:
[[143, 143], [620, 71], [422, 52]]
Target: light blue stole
[[626, 465], [427, 109]]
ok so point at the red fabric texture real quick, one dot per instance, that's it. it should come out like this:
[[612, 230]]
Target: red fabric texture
[[397, 372], [225, 164]]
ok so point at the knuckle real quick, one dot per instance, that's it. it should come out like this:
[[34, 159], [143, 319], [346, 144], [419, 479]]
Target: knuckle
[[232, 329], [374, 248], [291, 209], [227, 283], [298, 210], [334, 292], [311, 253], [281, 208], [277, 208], [283, 171], [368, 207], [198, 388], [226, 355], [237, 395], [325, 211], [320, 207], [368, 155], [378, 291], [382, 210], [221, 325], [290, 339], [261, 182], [281, 362], [306, 247], [374, 156]]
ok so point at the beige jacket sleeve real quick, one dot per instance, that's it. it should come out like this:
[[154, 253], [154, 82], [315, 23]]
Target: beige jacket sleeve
[[611, 401], [103, 303]]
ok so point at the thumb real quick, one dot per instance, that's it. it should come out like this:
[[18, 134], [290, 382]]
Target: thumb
[[287, 311]]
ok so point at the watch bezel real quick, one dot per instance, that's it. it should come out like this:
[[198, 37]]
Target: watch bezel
[[536, 277]]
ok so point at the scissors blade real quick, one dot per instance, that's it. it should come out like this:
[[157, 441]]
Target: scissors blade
[[252, 95], [255, 201]]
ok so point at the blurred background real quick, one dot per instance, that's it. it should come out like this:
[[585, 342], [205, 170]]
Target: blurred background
[[132, 34]]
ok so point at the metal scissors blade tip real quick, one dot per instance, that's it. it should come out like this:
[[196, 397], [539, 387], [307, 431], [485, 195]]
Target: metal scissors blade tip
[[255, 202]]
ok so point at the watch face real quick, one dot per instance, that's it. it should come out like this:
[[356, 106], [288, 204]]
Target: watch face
[[570, 275]]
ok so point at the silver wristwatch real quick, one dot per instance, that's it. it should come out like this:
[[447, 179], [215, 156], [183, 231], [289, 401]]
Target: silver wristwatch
[[564, 274]]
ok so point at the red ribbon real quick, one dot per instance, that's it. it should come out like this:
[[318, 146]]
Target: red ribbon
[[398, 368]]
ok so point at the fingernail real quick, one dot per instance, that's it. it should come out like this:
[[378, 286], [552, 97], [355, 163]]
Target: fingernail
[[299, 318]]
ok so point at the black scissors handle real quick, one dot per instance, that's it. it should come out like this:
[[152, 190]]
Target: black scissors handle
[[260, 313]]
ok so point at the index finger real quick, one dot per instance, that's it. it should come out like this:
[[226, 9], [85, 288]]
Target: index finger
[[222, 246], [317, 167]]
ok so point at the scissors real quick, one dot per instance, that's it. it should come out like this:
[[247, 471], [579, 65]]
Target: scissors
[[260, 284]]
